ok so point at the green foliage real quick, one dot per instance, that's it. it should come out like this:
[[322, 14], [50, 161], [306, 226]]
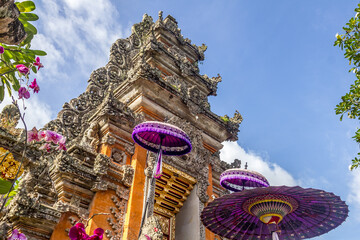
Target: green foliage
[[20, 54], [12, 193], [4, 186], [225, 118], [350, 104]]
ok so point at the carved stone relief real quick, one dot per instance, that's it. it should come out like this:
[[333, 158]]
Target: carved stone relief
[[118, 156], [151, 229]]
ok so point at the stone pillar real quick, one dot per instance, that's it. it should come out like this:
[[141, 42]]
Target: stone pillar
[[188, 220]]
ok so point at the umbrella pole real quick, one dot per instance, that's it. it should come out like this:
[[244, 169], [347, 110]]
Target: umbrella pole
[[151, 187]]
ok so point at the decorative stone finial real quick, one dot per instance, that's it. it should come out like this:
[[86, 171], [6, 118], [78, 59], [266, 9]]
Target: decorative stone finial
[[160, 16], [246, 165], [236, 164]]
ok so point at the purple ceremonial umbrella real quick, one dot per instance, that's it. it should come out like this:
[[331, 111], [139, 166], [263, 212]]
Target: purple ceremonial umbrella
[[153, 135], [260, 213], [237, 179], [161, 138]]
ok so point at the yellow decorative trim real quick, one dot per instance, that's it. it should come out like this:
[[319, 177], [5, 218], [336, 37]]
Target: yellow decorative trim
[[271, 200], [270, 215]]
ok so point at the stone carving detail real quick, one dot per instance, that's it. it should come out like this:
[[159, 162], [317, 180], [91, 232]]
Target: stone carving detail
[[152, 229], [213, 82], [128, 175], [118, 214], [130, 149], [142, 28], [236, 163], [108, 139], [118, 156], [9, 117], [164, 223], [101, 164], [202, 227], [234, 122], [91, 137], [203, 184]]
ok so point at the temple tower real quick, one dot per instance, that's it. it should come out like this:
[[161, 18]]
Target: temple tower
[[151, 75]]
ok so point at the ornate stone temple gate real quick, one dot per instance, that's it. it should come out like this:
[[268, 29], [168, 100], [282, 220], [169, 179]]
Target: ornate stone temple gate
[[151, 75]]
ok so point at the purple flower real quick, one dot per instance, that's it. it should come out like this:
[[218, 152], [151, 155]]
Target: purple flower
[[98, 234], [53, 137], [77, 232], [34, 86], [46, 146], [38, 63], [1, 50], [22, 69], [62, 146], [17, 236], [33, 135], [23, 93]]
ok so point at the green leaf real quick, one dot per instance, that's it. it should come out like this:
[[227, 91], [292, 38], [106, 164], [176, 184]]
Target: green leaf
[[29, 28], [34, 69], [39, 52], [13, 193], [5, 69], [14, 81], [28, 17], [4, 186], [26, 6], [7, 56], [7, 86], [28, 39], [2, 93]]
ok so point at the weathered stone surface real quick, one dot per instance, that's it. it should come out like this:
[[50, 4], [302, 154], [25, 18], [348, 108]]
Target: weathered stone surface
[[11, 29]]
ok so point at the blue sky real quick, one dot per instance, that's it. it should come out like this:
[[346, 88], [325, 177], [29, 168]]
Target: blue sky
[[278, 65]]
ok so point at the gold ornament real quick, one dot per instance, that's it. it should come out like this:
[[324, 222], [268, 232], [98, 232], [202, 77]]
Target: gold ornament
[[9, 166]]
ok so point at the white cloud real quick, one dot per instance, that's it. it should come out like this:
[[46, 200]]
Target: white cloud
[[275, 174], [81, 31]]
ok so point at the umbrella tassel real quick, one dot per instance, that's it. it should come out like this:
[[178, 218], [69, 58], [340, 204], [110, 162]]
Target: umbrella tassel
[[158, 170]]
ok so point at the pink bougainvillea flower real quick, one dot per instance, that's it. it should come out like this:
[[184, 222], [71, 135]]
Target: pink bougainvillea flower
[[98, 234], [22, 69], [1, 50], [62, 146], [17, 236], [23, 93], [34, 86], [77, 232], [46, 146], [33, 135], [38, 63], [53, 137]]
